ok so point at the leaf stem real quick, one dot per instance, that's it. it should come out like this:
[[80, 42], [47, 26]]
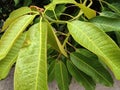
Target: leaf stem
[[58, 56], [55, 21], [66, 40], [71, 45], [73, 18], [101, 5], [61, 33]]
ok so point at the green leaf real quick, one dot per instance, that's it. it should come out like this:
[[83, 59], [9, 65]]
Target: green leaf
[[16, 2], [16, 14], [92, 67], [81, 77], [31, 67], [107, 23], [54, 41], [10, 59], [11, 34], [89, 13], [89, 54], [86, 53], [19, 12], [118, 37], [95, 40], [27, 2], [109, 14], [51, 71], [59, 10], [113, 6], [61, 76], [52, 5], [63, 1]]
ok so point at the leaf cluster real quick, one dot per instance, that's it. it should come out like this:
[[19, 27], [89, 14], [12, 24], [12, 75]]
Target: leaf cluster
[[62, 40]]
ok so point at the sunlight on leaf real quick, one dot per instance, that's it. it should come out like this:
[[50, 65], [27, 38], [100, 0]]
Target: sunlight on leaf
[[54, 41], [16, 14], [89, 13], [95, 40], [10, 59], [31, 67], [11, 34], [106, 24]]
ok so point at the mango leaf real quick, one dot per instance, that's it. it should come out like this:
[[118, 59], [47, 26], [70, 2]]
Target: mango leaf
[[16, 14], [89, 13], [61, 76], [54, 41], [59, 10], [52, 5], [31, 67], [92, 67], [109, 14], [95, 40], [116, 4], [89, 54], [113, 6], [11, 34], [107, 23], [27, 2], [118, 37], [86, 53], [51, 72], [81, 77], [16, 2], [10, 59]]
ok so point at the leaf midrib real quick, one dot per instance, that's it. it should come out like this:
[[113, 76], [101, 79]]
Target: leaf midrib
[[21, 29], [39, 55], [62, 75], [82, 76], [91, 68], [102, 54], [10, 64], [107, 26]]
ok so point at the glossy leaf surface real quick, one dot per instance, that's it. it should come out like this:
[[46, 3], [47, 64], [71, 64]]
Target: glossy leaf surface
[[107, 23], [95, 40], [109, 14], [31, 67], [10, 59], [16, 14], [11, 34]]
